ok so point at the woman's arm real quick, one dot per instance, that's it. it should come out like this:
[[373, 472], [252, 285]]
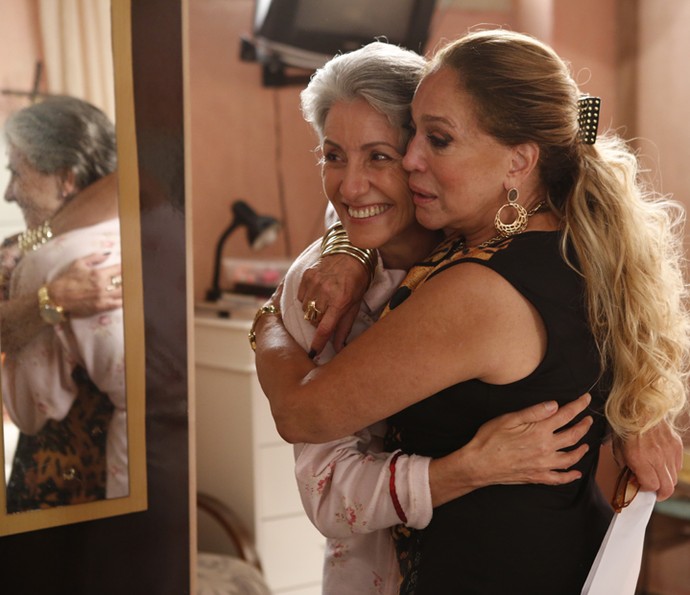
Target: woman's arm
[[345, 485], [517, 448], [498, 338], [82, 290], [96, 203], [19, 322]]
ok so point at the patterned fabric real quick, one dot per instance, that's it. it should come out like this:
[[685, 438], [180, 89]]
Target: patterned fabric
[[344, 484], [65, 462], [448, 251], [37, 382]]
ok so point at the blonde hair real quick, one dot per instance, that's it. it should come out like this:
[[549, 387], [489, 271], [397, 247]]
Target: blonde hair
[[627, 240]]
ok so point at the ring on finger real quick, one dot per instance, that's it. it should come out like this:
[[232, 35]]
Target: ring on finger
[[312, 312], [115, 283]]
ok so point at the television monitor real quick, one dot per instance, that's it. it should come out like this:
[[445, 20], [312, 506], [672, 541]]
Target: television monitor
[[307, 33]]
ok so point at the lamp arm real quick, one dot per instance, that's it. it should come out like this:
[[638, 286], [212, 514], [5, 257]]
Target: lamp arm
[[213, 294]]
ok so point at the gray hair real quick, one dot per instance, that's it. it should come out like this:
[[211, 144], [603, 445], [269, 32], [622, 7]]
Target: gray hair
[[384, 75], [65, 134]]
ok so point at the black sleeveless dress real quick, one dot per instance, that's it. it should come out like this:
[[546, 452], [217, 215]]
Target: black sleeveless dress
[[510, 540]]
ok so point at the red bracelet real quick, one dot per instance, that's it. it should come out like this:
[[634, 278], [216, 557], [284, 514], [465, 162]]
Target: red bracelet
[[394, 493]]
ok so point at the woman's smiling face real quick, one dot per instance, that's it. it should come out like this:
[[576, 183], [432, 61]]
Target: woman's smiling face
[[363, 176]]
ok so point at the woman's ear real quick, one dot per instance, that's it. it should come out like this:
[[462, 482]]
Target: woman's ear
[[523, 162], [68, 184]]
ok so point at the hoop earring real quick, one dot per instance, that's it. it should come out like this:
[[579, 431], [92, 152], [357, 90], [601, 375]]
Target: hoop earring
[[519, 223]]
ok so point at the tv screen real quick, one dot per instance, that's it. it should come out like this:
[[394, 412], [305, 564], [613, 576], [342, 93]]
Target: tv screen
[[306, 33]]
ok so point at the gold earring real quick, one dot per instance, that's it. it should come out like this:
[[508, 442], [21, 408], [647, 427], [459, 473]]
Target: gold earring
[[519, 223]]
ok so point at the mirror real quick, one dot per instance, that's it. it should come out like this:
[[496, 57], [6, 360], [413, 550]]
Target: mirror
[[132, 439]]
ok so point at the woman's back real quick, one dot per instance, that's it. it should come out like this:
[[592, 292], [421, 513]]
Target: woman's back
[[531, 539]]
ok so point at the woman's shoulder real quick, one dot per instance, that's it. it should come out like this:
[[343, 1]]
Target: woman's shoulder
[[525, 250]]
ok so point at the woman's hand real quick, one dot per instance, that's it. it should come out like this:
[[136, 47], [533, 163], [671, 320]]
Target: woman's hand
[[516, 448], [655, 458], [84, 290], [336, 283]]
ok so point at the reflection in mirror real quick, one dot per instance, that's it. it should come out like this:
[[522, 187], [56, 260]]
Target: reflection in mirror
[[64, 368], [63, 385]]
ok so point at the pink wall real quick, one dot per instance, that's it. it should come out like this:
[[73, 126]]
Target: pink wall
[[20, 48], [247, 142], [663, 86], [250, 142]]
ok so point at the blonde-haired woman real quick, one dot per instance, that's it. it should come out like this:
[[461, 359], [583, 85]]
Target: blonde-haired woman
[[558, 274]]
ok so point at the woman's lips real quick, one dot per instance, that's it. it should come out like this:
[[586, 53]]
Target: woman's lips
[[419, 196], [367, 211]]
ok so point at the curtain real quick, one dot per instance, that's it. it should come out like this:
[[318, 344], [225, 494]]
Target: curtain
[[77, 47]]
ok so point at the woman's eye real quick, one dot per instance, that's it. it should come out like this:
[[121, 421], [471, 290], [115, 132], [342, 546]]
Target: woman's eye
[[376, 156], [438, 141], [330, 156]]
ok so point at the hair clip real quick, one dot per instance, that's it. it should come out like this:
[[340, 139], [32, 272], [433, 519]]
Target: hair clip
[[588, 118]]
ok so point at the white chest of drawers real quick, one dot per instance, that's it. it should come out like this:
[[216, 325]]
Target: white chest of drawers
[[242, 460]]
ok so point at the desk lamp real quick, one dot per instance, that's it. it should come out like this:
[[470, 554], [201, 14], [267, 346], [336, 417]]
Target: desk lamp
[[261, 231]]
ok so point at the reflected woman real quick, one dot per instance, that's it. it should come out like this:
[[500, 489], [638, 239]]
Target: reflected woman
[[64, 386]]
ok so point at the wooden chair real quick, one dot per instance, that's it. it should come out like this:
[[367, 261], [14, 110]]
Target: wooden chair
[[238, 574]]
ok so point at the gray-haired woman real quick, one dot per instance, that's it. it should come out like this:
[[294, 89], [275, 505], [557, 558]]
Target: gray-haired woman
[[63, 386]]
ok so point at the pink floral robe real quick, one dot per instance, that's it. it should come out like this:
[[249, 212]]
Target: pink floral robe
[[344, 484]]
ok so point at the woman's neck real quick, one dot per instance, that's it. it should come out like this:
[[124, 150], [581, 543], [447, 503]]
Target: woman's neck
[[408, 248]]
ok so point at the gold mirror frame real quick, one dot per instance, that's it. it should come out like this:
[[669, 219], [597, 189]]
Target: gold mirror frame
[[128, 179]]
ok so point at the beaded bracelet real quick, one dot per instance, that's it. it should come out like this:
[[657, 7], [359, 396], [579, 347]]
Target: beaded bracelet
[[393, 492], [336, 242]]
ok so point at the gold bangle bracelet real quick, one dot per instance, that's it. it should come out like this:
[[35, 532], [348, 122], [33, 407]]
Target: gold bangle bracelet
[[336, 242], [259, 313], [357, 254]]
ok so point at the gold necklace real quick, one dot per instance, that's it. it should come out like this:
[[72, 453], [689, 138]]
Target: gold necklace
[[35, 237]]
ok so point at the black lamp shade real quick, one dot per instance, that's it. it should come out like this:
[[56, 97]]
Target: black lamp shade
[[262, 230]]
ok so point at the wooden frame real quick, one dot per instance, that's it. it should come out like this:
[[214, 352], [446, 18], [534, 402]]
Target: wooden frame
[[128, 179]]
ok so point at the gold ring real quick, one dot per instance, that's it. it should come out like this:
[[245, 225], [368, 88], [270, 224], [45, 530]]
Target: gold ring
[[116, 281], [312, 312]]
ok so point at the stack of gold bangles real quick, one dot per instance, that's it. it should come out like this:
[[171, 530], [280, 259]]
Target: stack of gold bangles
[[336, 242]]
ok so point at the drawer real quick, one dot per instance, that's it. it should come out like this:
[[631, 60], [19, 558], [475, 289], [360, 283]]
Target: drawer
[[276, 485], [292, 552], [223, 343]]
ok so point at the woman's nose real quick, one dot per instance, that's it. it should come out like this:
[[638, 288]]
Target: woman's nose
[[9, 195], [413, 159], [354, 183]]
